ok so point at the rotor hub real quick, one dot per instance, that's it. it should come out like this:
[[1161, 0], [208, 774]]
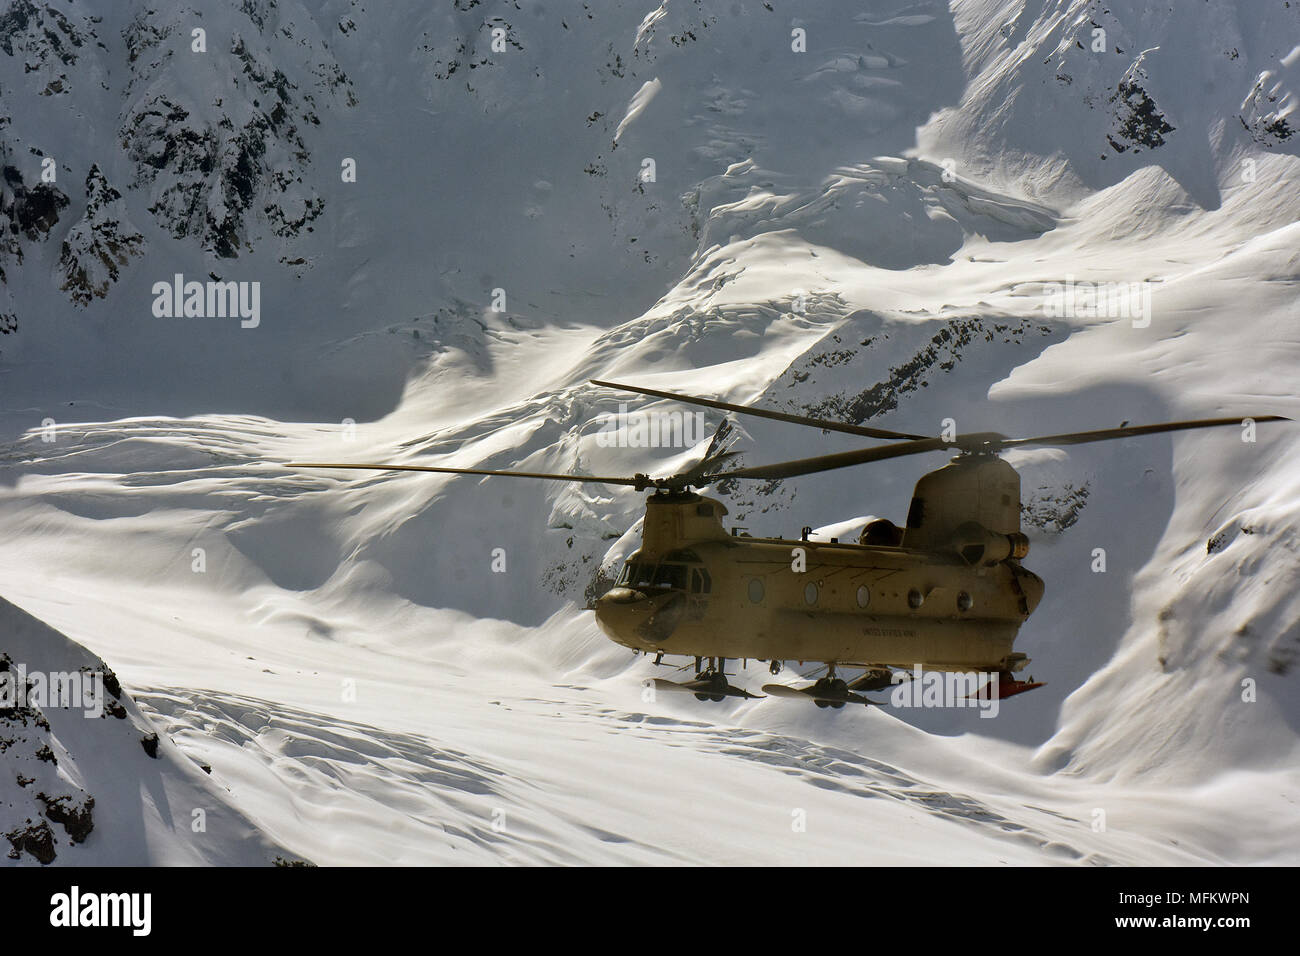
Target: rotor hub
[[980, 443]]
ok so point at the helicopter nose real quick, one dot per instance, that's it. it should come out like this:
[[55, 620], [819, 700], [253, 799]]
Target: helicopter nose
[[619, 611], [636, 619], [620, 596]]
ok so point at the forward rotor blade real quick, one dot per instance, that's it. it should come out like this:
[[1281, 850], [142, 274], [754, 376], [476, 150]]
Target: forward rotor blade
[[640, 480], [862, 430], [1106, 434]]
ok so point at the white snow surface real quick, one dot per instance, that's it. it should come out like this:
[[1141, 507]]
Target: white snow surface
[[875, 224]]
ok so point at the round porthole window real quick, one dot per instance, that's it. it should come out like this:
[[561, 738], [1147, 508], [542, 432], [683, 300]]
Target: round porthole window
[[755, 590], [810, 593], [964, 601], [915, 599], [864, 596]]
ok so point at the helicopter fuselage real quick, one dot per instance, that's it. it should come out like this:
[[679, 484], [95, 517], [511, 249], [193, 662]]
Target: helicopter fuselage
[[694, 589]]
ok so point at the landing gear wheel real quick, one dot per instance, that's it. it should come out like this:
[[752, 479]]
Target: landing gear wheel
[[774, 668], [821, 687], [830, 687], [716, 687], [839, 689], [719, 687]]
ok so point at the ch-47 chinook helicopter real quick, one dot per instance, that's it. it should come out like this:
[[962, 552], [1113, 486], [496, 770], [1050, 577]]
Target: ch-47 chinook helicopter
[[945, 593]]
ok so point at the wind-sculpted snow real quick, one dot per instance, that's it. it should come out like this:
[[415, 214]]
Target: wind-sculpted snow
[[1111, 87], [890, 213], [346, 780]]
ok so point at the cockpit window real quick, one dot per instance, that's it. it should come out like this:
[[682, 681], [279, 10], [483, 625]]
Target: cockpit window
[[645, 574], [671, 576], [637, 574]]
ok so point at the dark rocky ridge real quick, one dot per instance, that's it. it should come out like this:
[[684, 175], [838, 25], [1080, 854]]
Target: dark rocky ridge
[[27, 751]]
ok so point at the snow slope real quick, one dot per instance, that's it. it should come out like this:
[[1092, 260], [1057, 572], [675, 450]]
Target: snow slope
[[871, 230], [98, 785]]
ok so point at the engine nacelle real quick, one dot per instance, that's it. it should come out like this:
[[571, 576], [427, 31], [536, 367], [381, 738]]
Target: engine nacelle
[[978, 545]]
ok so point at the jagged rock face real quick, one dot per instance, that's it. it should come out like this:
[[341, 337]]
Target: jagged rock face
[[98, 243], [209, 131], [1263, 113], [92, 252], [26, 212], [87, 779], [931, 360], [1053, 510], [211, 167], [48, 43], [30, 749], [1138, 121], [1139, 86]]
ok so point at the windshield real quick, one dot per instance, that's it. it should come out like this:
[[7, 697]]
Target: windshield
[[671, 576], [636, 574], [645, 574]]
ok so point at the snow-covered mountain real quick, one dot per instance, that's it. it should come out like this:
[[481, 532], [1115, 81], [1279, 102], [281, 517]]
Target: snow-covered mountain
[[456, 215], [88, 779]]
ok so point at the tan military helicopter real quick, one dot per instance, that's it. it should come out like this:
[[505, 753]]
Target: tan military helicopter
[[945, 593]]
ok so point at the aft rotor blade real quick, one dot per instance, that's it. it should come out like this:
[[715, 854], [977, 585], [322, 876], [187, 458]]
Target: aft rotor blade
[[833, 426], [1107, 434], [380, 466], [987, 442], [843, 459]]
